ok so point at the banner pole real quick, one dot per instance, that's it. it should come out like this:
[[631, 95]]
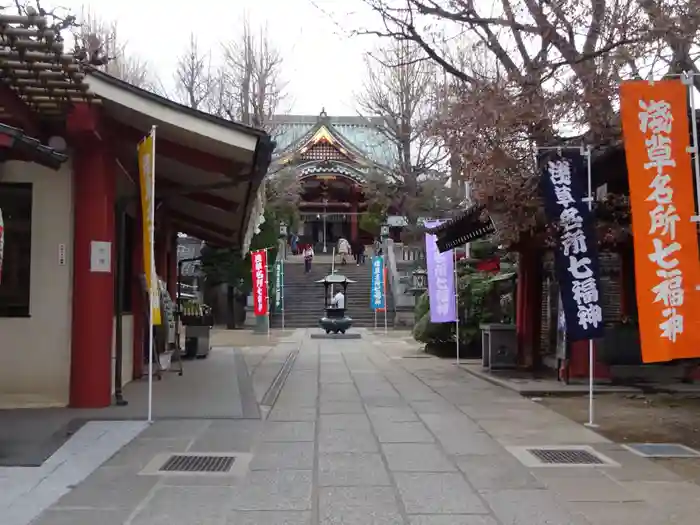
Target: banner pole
[[386, 303], [151, 226], [688, 81], [282, 290], [454, 262], [591, 351], [267, 285]]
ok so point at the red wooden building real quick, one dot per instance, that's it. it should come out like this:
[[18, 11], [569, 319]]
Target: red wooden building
[[70, 202]]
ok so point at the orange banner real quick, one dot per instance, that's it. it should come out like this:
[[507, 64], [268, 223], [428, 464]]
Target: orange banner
[[656, 136]]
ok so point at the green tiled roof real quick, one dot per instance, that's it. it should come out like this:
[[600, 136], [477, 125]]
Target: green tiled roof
[[362, 133], [288, 133]]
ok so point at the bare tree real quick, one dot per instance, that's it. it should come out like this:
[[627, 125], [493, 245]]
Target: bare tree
[[400, 86], [100, 38], [246, 86], [253, 76], [283, 193], [194, 80], [552, 70]]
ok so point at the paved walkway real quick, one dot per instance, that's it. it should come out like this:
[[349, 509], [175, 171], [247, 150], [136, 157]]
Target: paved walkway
[[365, 433]]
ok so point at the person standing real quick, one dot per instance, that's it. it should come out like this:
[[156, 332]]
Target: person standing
[[293, 243], [343, 250], [377, 246], [308, 258], [360, 251]]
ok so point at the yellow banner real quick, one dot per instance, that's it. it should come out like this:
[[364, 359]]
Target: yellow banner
[[146, 154]]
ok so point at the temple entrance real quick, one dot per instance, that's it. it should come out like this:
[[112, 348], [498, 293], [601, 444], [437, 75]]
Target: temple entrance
[[334, 225], [331, 207]]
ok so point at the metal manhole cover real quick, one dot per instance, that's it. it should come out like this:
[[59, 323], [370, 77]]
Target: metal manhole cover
[[566, 457], [662, 450], [197, 463]]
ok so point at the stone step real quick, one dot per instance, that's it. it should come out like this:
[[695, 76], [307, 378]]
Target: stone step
[[356, 323], [304, 297]]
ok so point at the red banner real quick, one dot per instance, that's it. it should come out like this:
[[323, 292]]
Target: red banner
[[259, 264]]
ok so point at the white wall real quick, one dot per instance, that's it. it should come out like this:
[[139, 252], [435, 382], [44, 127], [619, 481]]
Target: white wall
[[35, 351]]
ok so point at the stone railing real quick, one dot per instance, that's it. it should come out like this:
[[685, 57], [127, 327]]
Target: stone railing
[[410, 253]]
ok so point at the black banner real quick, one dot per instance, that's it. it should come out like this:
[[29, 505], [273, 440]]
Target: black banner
[[564, 187]]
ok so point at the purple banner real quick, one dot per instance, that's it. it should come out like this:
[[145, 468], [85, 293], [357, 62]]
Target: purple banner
[[441, 280]]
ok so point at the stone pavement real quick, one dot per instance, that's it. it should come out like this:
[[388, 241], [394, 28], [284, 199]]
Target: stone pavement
[[365, 433]]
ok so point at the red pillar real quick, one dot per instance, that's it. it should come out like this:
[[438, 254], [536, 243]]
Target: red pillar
[[138, 298], [93, 291], [528, 307]]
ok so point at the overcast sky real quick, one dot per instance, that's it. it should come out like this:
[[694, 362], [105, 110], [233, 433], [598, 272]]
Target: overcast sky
[[324, 65]]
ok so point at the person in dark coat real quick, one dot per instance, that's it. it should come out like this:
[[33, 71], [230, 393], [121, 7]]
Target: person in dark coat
[[360, 251]]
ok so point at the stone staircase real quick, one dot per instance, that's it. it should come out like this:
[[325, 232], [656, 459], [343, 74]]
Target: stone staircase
[[303, 296]]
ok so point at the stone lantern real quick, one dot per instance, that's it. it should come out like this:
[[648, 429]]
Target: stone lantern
[[419, 282], [384, 231]]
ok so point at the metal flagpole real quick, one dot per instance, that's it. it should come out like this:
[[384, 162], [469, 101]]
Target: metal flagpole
[[693, 150], [591, 352], [386, 305], [282, 288], [152, 281], [687, 79], [333, 271], [454, 262], [267, 285], [371, 293]]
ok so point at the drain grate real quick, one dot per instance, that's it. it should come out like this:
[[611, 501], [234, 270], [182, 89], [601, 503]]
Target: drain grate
[[572, 456], [560, 456], [662, 450], [198, 463]]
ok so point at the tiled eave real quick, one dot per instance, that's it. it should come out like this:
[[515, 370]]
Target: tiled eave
[[35, 72]]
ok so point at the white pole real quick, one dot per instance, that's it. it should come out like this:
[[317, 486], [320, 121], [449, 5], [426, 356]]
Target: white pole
[[282, 290], [150, 359], [591, 352], [371, 293], [267, 285], [325, 248], [152, 283], [386, 304], [454, 262], [688, 81]]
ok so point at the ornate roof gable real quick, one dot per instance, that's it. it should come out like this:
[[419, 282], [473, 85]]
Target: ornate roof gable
[[324, 140]]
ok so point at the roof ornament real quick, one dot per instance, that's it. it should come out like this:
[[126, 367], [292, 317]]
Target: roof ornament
[[323, 115]]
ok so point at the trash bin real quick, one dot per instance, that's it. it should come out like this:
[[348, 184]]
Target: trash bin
[[197, 341], [198, 321], [499, 346]]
